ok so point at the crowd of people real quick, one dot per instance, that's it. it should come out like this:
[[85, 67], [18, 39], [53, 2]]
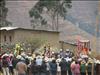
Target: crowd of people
[[63, 63]]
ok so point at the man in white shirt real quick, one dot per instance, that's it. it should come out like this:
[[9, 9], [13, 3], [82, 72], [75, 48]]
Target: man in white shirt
[[39, 60]]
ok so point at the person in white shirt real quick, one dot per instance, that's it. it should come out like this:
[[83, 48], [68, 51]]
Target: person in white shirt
[[58, 67], [39, 60]]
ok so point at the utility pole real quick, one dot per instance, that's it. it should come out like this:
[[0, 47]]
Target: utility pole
[[96, 32], [97, 24]]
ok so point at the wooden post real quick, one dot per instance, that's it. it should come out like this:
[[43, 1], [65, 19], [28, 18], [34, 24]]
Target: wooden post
[[93, 68]]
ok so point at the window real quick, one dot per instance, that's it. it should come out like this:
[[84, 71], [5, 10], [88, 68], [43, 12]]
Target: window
[[5, 38], [10, 38]]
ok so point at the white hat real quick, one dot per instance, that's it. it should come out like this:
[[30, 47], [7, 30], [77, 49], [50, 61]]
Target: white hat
[[11, 55], [80, 59], [98, 61], [19, 57], [30, 58], [46, 59], [4, 55], [23, 54], [61, 49], [58, 60], [84, 56], [38, 57], [67, 49]]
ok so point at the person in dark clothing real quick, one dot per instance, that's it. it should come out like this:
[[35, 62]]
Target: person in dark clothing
[[83, 68], [0, 63], [11, 65], [89, 68], [53, 67], [48, 68], [0, 66], [5, 66], [63, 65], [34, 68], [43, 68], [68, 68], [97, 69], [14, 63], [27, 63]]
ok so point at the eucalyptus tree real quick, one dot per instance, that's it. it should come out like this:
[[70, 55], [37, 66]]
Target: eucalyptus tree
[[3, 14], [54, 9]]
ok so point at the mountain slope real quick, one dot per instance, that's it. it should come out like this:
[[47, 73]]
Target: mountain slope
[[80, 21]]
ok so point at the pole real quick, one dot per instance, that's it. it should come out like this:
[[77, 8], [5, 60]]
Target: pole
[[96, 32], [97, 23]]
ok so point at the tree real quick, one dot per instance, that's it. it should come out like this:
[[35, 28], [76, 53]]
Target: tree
[[55, 8], [3, 14], [35, 43]]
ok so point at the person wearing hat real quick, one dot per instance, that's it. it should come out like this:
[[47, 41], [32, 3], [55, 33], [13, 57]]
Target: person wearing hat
[[14, 63], [77, 68], [67, 53], [98, 67], [5, 66], [39, 60], [0, 65], [39, 63], [53, 67], [48, 67], [69, 68], [11, 65], [89, 68], [63, 66], [72, 66], [43, 68], [33, 68], [58, 60], [83, 68]]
